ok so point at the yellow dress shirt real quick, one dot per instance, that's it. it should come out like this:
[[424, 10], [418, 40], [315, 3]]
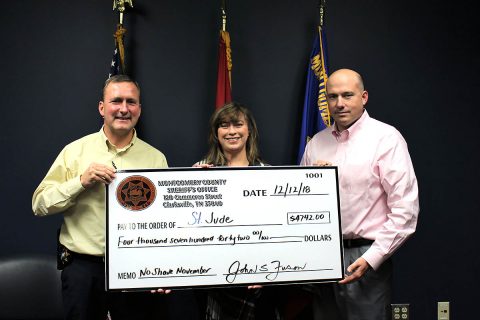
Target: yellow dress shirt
[[83, 228]]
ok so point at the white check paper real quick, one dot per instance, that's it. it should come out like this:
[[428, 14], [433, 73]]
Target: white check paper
[[200, 227]]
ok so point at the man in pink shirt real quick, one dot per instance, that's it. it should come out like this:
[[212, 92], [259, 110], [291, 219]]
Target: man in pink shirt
[[378, 200]]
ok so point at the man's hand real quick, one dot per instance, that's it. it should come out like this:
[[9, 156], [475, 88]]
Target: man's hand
[[322, 163], [355, 271], [95, 173]]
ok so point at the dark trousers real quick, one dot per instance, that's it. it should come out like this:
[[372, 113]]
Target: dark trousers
[[368, 298], [85, 298]]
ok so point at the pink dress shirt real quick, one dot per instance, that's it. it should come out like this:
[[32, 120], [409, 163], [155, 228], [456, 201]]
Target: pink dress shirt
[[378, 187]]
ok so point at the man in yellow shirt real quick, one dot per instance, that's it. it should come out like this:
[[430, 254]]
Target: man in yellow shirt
[[75, 187]]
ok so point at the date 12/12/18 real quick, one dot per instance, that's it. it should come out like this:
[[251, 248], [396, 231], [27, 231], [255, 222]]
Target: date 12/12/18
[[291, 190]]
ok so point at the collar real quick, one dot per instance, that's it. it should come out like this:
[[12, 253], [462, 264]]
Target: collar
[[353, 128], [110, 146]]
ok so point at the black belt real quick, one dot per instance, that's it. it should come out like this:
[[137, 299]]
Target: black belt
[[87, 257], [354, 243]]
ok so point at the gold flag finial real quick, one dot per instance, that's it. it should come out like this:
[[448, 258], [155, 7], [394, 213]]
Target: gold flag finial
[[224, 16], [323, 4], [120, 6]]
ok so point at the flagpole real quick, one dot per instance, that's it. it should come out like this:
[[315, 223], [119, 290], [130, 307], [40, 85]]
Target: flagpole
[[325, 112], [119, 5], [224, 64], [228, 49], [315, 114]]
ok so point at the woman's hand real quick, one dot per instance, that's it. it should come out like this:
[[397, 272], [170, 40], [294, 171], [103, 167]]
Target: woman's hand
[[203, 165], [161, 291], [256, 286]]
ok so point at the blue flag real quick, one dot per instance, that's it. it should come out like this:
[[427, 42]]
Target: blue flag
[[316, 116]]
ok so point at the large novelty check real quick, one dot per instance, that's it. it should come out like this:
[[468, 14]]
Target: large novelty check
[[200, 227]]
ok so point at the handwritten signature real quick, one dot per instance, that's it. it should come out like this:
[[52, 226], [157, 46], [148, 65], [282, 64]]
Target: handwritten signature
[[271, 270]]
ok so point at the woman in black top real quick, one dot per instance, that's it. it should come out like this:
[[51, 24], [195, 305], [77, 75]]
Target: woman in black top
[[233, 142]]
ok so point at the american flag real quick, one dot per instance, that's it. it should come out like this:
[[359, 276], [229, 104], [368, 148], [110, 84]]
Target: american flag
[[115, 66]]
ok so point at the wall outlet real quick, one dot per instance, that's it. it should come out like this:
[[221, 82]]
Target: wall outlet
[[443, 310], [401, 311]]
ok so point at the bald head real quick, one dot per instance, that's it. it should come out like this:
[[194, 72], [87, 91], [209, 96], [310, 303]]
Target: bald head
[[344, 75]]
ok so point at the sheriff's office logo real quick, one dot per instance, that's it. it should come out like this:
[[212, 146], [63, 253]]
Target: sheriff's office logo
[[136, 193]]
